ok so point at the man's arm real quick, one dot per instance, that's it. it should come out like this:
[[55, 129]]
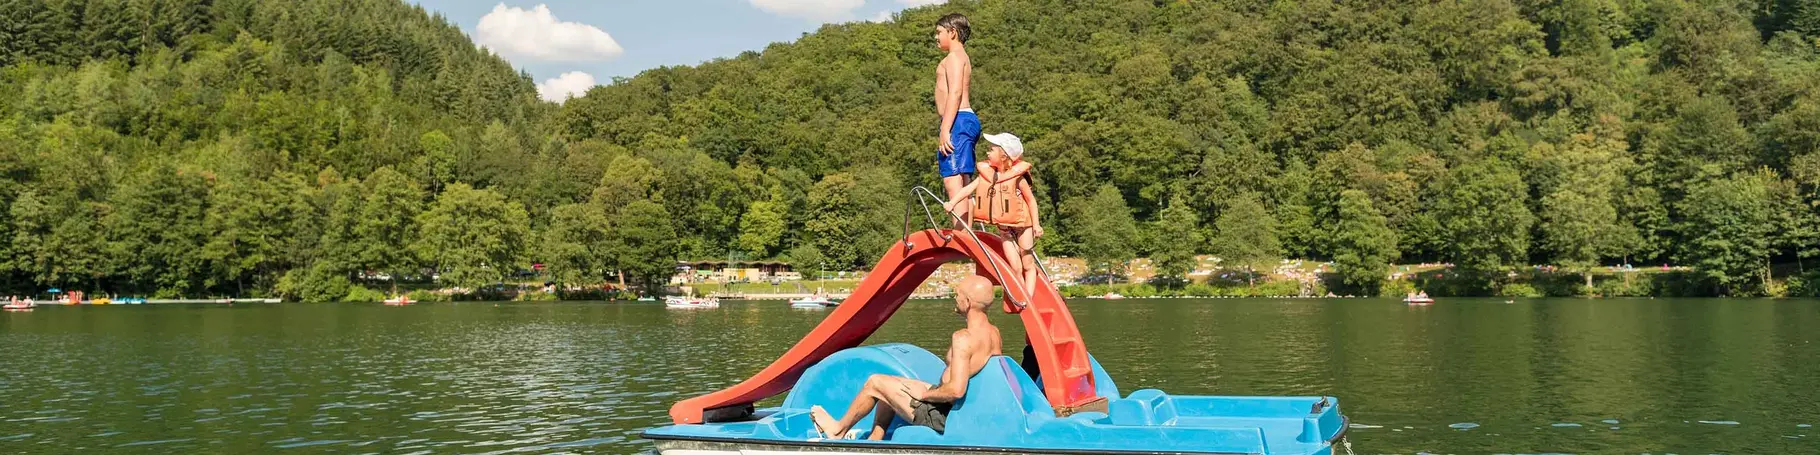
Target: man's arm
[[951, 72], [954, 379]]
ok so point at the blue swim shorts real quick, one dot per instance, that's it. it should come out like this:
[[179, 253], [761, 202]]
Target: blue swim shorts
[[964, 133]]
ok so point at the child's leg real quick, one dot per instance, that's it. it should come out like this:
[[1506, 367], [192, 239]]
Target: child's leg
[[1026, 243], [1014, 258]]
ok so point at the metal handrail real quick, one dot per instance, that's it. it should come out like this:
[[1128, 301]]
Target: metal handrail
[[918, 193]]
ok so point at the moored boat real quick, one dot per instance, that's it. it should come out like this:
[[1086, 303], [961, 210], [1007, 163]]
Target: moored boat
[[691, 302], [813, 302], [398, 301], [15, 304], [1418, 299]]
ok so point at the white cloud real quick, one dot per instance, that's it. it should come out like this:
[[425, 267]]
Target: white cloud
[[561, 88], [883, 16], [536, 34], [915, 3], [820, 10]]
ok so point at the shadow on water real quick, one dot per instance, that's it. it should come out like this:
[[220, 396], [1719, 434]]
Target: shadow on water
[[1463, 376]]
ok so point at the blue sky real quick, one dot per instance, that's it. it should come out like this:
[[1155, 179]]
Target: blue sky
[[569, 45]]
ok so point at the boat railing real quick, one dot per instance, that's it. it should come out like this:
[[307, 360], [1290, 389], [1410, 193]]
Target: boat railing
[[922, 195]]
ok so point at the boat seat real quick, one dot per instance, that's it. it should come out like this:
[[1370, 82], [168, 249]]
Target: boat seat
[[1102, 382], [833, 382], [1000, 398]]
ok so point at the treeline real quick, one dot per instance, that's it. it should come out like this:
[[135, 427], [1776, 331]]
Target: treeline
[[186, 147], [1489, 134]]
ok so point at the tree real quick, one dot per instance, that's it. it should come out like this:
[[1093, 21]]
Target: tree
[[836, 220], [1247, 235], [58, 245], [160, 227], [472, 237], [1481, 209], [761, 229], [388, 224], [646, 243], [1364, 244], [577, 246], [627, 179], [1174, 257], [1579, 215], [248, 221], [1105, 229], [1728, 223], [438, 161]]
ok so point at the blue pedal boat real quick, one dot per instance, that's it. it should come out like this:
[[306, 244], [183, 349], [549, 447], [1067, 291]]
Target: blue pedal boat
[[1064, 404], [1005, 411]]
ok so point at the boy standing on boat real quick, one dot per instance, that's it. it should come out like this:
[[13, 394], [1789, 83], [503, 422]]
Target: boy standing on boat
[[960, 127], [918, 402]]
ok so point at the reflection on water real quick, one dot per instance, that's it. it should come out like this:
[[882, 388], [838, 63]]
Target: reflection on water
[[1464, 376]]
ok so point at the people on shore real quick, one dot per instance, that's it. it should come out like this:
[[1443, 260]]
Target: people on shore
[[960, 126], [918, 402], [1008, 203]]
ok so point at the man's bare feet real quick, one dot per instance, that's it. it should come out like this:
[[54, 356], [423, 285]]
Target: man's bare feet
[[825, 422]]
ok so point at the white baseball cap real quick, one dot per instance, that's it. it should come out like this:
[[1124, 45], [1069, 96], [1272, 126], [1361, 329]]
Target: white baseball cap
[[1013, 146]]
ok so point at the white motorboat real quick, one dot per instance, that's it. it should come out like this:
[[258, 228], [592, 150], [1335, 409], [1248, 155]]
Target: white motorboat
[[691, 302], [813, 302]]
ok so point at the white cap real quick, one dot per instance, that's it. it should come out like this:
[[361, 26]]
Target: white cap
[[1013, 146]]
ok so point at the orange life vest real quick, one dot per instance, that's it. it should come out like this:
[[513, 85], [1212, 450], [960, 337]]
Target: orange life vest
[[998, 203]]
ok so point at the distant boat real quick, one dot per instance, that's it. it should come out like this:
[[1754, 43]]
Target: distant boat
[[691, 302], [20, 305], [817, 300], [1113, 296], [1418, 300], [647, 299], [130, 301], [814, 302], [398, 301]]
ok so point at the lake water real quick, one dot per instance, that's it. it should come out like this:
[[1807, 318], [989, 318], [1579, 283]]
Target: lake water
[[1463, 376]]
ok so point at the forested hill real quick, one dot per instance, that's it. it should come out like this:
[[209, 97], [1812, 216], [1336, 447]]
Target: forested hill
[[315, 147], [189, 147], [1487, 133]]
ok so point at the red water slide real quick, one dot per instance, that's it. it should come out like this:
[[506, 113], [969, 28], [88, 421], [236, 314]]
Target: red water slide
[[1067, 374]]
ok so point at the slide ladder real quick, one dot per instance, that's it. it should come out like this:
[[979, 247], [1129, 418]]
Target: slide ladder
[[1066, 372]]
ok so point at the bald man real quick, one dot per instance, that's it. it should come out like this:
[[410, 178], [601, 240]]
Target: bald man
[[916, 401]]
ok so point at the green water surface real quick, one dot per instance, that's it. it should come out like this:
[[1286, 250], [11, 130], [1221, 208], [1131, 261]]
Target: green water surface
[[1463, 376]]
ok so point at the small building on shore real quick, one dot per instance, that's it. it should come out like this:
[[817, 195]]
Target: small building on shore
[[729, 271]]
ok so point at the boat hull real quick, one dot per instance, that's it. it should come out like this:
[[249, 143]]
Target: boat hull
[[703, 447]]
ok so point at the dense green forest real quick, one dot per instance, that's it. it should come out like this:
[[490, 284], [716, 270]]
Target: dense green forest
[[318, 147]]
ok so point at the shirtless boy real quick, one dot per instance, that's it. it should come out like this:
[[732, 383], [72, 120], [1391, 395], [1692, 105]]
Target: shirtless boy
[[960, 126], [918, 402]]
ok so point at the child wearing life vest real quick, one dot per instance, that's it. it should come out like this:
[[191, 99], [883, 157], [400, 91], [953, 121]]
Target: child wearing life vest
[[1002, 196]]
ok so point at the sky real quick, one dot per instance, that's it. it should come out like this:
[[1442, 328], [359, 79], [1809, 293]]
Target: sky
[[569, 46]]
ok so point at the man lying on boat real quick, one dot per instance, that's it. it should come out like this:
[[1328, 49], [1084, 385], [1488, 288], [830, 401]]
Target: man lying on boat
[[918, 402]]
